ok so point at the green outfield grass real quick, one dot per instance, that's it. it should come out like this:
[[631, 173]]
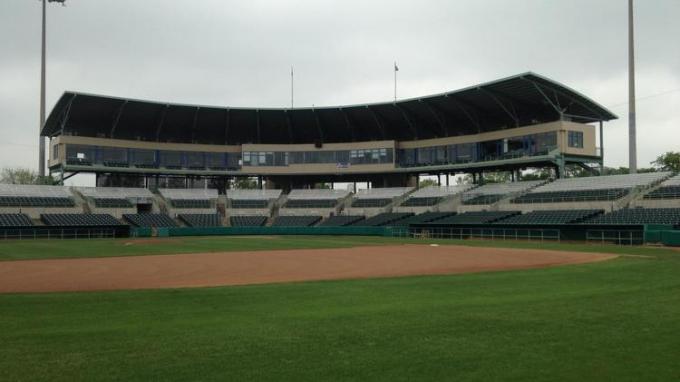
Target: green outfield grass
[[58, 249], [617, 320]]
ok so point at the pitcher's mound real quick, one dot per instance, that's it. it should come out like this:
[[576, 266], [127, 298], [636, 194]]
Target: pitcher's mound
[[238, 268]]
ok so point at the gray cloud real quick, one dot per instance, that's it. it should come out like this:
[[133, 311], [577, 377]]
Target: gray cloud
[[240, 53]]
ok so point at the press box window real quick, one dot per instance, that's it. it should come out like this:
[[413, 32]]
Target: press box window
[[576, 139]]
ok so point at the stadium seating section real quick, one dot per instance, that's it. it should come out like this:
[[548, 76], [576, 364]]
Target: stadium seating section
[[425, 217], [296, 221], [79, 220], [201, 220], [314, 198], [189, 198], [493, 192], [190, 203], [669, 189], [150, 220], [15, 220], [370, 203], [433, 195], [340, 220], [572, 196], [421, 202], [484, 199], [311, 203], [378, 197], [34, 201], [594, 188], [249, 203], [477, 217], [639, 216], [383, 219], [112, 203], [248, 221], [665, 192], [551, 217]]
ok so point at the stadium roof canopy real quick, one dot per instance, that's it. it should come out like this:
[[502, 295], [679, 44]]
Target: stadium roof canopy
[[519, 100]]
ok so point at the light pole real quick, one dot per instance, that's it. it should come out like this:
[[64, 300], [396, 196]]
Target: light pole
[[41, 145], [632, 139]]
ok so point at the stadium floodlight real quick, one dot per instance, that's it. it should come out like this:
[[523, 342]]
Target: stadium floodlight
[[41, 144], [632, 135]]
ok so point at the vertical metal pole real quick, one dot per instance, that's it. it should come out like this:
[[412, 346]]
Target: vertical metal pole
[[395, 81], [632, 140], [601, 150], [291, 88], [41, 142]]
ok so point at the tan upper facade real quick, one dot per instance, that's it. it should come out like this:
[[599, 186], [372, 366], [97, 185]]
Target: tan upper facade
[[391, 150]]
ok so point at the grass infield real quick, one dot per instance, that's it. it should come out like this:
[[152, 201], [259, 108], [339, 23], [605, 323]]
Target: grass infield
[[613, 320]]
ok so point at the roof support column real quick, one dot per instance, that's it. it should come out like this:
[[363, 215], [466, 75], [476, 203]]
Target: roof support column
[[376, 118], [289, 126], [601, 150], [227, 122], [257, 125], [349, 124], [66, 114], [160, 122], [117, 119]]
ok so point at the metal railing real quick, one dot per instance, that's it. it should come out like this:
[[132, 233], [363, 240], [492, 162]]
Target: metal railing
[[524, 234], [619, 237], [58, 233]]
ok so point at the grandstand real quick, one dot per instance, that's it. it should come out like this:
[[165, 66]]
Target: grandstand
[[191, 156], [296, 221], [33, 200], [384, 219], [547, 217], [477, 217], [589, 189], [15, 220], [340, 220], [493, 192], [669, 189], [425, 217], [507, 124], [117, 201], [248, 221], [189, 201], [201, 220], [433, 198], [637, 216], [80, 220], [150, 220], [251, 202], [373, 201], [315, 202]]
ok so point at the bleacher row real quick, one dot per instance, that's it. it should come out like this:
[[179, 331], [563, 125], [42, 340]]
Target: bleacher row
[[629, 216], [373, 207]]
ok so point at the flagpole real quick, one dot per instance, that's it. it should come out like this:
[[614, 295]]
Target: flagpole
[[291, 87], [395, 81]]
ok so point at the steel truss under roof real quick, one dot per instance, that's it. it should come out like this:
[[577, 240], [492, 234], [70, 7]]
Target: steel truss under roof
[[520, 100]]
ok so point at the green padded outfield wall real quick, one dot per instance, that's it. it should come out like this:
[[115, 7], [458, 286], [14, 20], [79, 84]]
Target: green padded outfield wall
[[339, 231]]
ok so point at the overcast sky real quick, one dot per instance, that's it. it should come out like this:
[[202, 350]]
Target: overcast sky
[[231, 53]]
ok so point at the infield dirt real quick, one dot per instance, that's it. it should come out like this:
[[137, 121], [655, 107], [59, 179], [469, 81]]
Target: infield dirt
[[259, 267]]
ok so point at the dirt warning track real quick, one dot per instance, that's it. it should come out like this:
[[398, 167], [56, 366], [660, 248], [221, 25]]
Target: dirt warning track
[[240, 268]]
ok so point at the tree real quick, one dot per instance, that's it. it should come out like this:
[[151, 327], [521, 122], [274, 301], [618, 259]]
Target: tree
[[496, 177], [669, 161], [245, 184], [465, 179], [427, 183], [23, 176], [537, 174]]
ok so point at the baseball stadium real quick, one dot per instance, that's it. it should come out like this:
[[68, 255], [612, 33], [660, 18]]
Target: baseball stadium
[[166, 269]]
